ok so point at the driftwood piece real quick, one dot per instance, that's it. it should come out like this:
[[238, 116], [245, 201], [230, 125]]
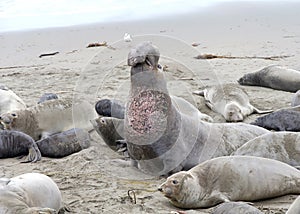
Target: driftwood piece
[[212, 56], [91, 45], [49, 54]]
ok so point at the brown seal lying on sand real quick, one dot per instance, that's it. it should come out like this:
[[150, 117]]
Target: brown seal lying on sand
[[233, 178], [14, 143], [29, 193], [273, 76], [110, 108], [229, 100], [165, 134]]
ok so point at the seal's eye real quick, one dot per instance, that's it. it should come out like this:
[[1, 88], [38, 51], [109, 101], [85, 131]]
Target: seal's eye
[[159, 66], [174, 182], [13, 114], [102, 121]]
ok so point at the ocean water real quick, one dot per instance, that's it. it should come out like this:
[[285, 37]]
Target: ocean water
[[32, 14]]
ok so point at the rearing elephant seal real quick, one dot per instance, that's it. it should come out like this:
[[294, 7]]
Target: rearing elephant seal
[[165, 134], [229, 100], [273, 76], [29, 193], [233, 178]]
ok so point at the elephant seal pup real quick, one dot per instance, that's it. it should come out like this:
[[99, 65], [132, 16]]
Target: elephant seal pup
[[295, 207], [229, 100], [30, 193], [110, 108], [47, 96], [111, 130], [281, 120], [64, 143], [14, 143], [49, 118], [296, 99], [236, 208], [165, 134], [9, 101], [273, 76], [281, 146], [231, 178]]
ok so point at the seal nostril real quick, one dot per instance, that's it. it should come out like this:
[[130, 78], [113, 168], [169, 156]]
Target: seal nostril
[[160, 189]]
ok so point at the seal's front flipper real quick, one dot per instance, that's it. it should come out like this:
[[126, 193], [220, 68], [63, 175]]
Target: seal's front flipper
[[256, 110]]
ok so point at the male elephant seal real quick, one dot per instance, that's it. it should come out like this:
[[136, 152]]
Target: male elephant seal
[[229, 100], [233, 178], [273, 76], [295, 207], [165, 134], [236, 208], [281, 146], [14, 143], [296, 99], [111, 130], [47, 96], [49, 118], [110, 108], [29, 193], [64, 143], [281, 120], [9, 101]]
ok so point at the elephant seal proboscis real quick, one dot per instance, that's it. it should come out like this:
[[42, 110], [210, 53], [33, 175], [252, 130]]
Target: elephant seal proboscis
[[236, 208], [165, 134], [273, 76], [47, 96], [30, 193], [281, 120], [50, 117], [14, 143], [110, 108], [281, 146], [9, 101], [111, 130], [229, 100], [296, 99], [231, 178], [295, 207], [64, 143]]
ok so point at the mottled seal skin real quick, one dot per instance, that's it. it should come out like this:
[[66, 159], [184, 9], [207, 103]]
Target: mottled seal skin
[[9, 101], [47, 96], [50, 117], [229, 100], [14, 143], [236, 208], [281, 146], [164, 134], [30, 193], [110, 108], [295, 207], [111, 130], [296, 99], [273, 76], [64, 143], [281, 120], [231, 178]]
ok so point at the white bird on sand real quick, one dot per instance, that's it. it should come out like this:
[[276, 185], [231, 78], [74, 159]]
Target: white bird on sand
[[127, 37]]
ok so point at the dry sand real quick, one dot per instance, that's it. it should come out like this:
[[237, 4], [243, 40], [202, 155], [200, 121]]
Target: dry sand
[[96, 180]]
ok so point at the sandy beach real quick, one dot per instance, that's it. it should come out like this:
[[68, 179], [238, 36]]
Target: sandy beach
[[97, 180]]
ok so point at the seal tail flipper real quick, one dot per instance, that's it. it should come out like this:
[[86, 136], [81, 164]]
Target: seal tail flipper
[[258, 111], [199, 92], [34, 155]]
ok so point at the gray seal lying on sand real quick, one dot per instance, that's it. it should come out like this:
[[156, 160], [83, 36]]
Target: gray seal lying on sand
[[49, 117], [165, 134], [64, 143], [296, 99], [9, 101], [111, 130], [273, 76], [47, 96], [281, 146], [29, 193], [233, 178], [14, 143], [229, 100], [110, 108], [281, 120], [236, 208], [295, 207]]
